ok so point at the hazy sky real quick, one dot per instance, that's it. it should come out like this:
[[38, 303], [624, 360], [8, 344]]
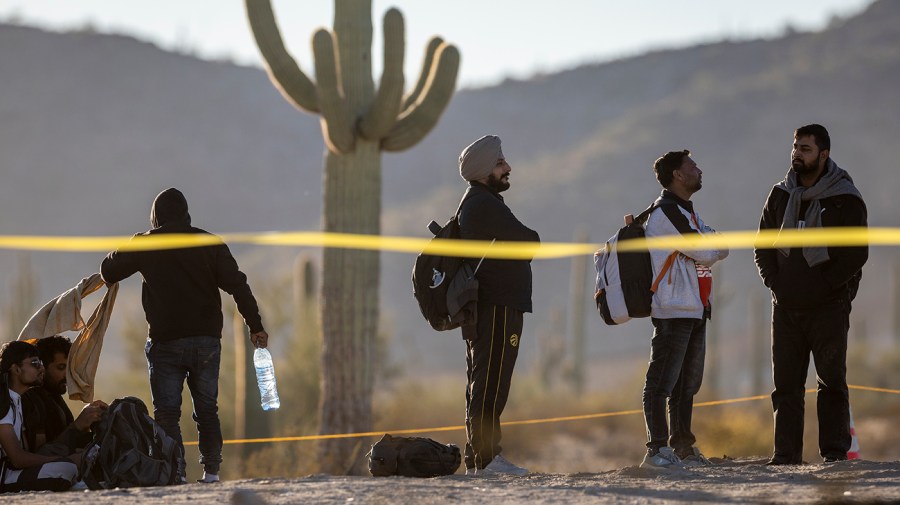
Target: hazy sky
[[497, 38]]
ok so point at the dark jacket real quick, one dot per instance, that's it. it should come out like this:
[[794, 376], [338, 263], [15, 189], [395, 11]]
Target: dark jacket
[[180, 291], [484, 216], [796, 285], [48, 424]]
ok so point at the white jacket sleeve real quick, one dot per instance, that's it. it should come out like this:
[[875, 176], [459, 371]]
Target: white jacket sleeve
[[659, 225]]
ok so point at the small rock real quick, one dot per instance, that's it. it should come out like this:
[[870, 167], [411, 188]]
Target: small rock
[[247, 497]]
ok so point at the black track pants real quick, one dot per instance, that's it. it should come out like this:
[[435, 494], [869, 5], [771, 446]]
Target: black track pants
[[492, 349]]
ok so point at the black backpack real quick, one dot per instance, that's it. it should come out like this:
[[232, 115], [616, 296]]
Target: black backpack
[[445, 286], [625, 284], [130, 450], [412, 457]]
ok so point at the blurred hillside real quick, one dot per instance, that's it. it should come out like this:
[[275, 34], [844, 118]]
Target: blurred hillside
[[93, 126]]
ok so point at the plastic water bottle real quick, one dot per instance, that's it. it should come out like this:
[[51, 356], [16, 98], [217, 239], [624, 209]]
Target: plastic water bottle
[[265, 379]]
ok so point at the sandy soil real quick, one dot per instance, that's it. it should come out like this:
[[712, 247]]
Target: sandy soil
[[731, 481]]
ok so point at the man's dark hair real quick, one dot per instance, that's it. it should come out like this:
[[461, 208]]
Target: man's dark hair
[[13, 353], [668, 163], [823, 140], [49, 346]]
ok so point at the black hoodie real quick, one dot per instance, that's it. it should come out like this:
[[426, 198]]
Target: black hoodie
[[180, 291]]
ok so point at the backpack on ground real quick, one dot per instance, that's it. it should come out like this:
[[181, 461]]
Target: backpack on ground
[[130, 450], [412, 457], [445, 286], [625, 283]]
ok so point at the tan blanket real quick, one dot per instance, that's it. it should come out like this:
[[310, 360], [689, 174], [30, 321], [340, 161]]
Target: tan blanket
[[63, 313]]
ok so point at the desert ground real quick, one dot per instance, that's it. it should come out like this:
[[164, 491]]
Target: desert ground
[[745, 480]]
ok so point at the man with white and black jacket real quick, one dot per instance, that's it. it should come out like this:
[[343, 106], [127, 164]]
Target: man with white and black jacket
[[504, 295], [812, 288], [681, 305]]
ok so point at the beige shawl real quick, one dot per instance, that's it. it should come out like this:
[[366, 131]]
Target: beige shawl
[[63, 313]]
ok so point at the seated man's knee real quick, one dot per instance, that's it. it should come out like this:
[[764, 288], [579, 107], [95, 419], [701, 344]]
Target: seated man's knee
[[59, 469]]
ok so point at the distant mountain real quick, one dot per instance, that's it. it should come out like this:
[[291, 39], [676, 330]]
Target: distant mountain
[[93, 126]]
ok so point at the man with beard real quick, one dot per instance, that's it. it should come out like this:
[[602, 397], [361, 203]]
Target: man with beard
[[679, 310], [21, 469], [50, 427], [504, 294], [812, 287]]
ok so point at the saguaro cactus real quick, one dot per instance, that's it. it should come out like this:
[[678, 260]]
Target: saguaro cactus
[[357, 124]]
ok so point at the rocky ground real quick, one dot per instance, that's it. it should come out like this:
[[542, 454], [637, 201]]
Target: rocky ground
[[730, 481]]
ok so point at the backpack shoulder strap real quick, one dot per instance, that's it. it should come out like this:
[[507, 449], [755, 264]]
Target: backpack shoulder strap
[[659, 202], [435, 228], [466, 196], [662, 273], [679, 220]]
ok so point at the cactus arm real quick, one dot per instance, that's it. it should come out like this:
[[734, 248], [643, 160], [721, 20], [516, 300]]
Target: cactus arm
[[432, 47], [337, 123], [282, 68], [420, 118], [382, 114]]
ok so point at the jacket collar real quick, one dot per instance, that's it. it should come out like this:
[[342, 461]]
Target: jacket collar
[[684, 204], [485, 187]]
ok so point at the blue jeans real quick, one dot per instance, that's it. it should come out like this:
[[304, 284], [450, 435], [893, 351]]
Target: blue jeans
[[197, 360], [677, 353]]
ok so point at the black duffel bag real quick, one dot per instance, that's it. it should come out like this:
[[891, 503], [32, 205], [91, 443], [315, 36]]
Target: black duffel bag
[[412, 457]]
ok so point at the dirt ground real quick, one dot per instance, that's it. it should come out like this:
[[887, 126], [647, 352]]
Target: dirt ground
[[730, 481]]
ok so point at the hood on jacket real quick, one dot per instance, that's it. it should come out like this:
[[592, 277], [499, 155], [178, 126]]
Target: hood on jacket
[[168, 207]]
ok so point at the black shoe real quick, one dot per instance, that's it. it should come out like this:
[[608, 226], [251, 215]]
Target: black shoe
[[834, 459], [779, 460]]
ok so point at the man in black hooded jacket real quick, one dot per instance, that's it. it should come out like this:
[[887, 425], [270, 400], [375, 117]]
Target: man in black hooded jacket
[[180, 295]]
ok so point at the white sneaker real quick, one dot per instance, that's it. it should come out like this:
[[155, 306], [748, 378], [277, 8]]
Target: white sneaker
[[79, 486], [696, 459], [209, 478], [499, 465], [665, 459]]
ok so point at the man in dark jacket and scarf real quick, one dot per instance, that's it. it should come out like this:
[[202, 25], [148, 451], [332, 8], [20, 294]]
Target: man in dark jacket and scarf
[[180, 295], [812, 287], [504, 295]]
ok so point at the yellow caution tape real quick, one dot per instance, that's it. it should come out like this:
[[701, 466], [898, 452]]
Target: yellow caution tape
[[307, 438], [465, 248], [867, 388]]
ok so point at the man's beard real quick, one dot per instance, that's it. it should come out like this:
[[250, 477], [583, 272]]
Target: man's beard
[[800, 167], [59, 388], [497, 183]]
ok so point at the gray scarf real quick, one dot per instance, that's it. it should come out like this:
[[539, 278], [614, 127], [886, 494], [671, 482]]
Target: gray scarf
[[835, 181]]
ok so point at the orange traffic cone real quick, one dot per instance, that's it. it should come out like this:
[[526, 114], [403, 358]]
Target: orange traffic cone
[[853, 453]]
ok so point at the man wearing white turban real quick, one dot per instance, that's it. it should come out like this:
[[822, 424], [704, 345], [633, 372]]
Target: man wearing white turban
[[504, 295]]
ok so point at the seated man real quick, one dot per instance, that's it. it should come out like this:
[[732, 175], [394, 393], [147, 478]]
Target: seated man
[[50, 428], [21, 470]]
